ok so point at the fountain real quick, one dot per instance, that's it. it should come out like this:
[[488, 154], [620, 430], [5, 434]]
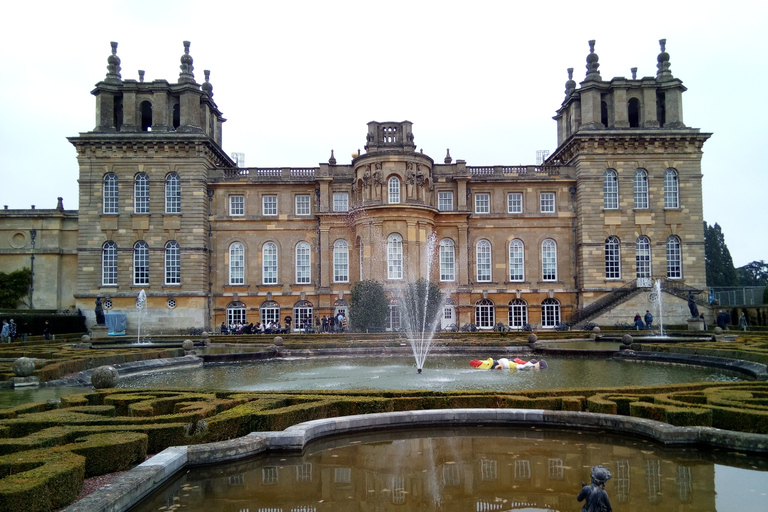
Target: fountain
[[141, 306], [659, 305]]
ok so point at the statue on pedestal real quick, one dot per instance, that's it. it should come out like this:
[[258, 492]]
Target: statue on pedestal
[[99, 310], [594, 494], [692, 304]]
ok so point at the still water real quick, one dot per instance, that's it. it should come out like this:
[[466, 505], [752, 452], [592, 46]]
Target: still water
[[471, 469], [441, 373]]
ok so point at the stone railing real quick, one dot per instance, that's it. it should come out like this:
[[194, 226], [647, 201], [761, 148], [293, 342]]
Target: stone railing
[[507, 171], [258, 173]]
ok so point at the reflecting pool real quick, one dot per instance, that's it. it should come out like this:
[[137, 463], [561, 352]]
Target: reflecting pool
[[472, 469]]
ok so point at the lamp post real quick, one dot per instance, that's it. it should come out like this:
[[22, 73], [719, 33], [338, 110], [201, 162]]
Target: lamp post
[[32, 235]]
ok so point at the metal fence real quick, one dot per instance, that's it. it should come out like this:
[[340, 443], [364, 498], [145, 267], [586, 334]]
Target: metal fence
[[743, 296]]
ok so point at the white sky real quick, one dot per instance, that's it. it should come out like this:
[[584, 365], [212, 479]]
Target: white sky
[[296, 79]]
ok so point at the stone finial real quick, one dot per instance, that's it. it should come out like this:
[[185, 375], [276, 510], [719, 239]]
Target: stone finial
[[448, 158], [663, 74], [332, 160], [60, 204], [141, 75], [113, 66], [207, 87], [634, 73], [186, 75], [592, 64], [570, 85]]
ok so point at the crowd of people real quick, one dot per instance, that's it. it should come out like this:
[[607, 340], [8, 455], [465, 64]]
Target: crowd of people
[[327, 324]]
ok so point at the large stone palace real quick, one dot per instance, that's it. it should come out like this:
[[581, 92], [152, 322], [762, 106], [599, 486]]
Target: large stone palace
[[581, 236]]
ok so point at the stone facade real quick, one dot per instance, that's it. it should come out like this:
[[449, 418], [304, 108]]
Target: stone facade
[[164, 209]]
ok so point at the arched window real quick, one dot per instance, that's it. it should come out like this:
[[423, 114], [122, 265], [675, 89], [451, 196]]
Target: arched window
[[140, 263], [641, 189], [269, 263], [303, 263], [302, 315], [549, 260], [394, 256], [610, 190], [518, 313], [671, 189], [643, 260], [516, 261], [172, 193], [340, 262], [674, 258], [236, 263], [447, 260], [483, 261], [146, 116], [141, 194], [270, 312], [172, 263], [485, 314], [661, 108], [550, 313], [633, 112], [394, 190], [612, 258], [109, 264], [236, 313], [110, 196]]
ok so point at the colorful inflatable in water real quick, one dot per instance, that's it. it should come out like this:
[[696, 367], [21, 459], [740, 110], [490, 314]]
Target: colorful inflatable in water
[[506, 364]]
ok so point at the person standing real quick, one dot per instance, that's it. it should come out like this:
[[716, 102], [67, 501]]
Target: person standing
[[47, 330], [638, 322], [288, 321], [325, 323], [648, 320], [6, 332], [742, 322], [12, 330]]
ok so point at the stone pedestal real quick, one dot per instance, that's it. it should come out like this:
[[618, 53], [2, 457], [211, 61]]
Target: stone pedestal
[[695, 324], [99, 332], [25, 382]]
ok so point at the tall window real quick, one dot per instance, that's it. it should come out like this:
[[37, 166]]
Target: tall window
[[550, 312], [547, 202], [303, 266], [269, 263], [485, 314], [340, 202], [515, 202], [340, 262], [270, 312], [146, 116], [109, 264], [518, 313], [141, 194], [482, 203], [445, 201], [671, 189], [516, 261], [237, 205], [236, 263], [610, 190], [641, 189], [172, 263], [111, 203], [236, 313], [483, 259], [549, 260], [269, 205], [633, 112], [674, 259], [643, 258], [612, 258], [447, 260], [140, 263], [394, 190], [172, 193], [394, 256], [302, 205]]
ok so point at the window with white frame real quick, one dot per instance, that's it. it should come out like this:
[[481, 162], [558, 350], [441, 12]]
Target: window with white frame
[[236, 313], [445, 201], [269, 312], [109, 263], [674, 258], [140, 263], [515, 202], [394, 256], [237, 205], [447, 260], [612, 258], [172, 193], [516, 261], [236, 263], [482, 203], [671, 189], [303, 312], [340, 202], [141, 194], [269, 205], [550, 313], [172, 263], [518, 313], [610, 190], [302, 204], [269, 263], [485, 314], [641, 189], [549, 260], [393, 323], [643, 257], [303, 263], [111, 202], [547, 202], [483, 261], [394, 190], [340, 262]]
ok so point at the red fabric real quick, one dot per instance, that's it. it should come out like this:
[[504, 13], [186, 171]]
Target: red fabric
[[475, 363]]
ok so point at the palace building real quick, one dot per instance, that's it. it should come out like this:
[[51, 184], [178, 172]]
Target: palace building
[[581, 236]]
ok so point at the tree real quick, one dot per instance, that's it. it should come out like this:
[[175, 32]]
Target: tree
[[753, 274], [368, 306], [14, 287], [718, 261], [421, 306]]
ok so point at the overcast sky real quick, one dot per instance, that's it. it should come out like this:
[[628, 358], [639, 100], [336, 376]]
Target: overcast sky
[[297, 79]]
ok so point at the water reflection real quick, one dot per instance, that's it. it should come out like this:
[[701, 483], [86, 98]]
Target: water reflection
[[481, 469]]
